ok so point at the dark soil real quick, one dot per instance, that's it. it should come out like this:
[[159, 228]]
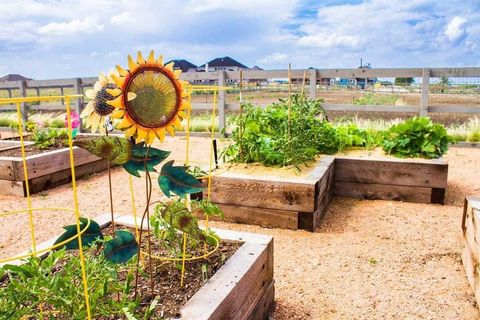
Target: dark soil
[[166, 278]]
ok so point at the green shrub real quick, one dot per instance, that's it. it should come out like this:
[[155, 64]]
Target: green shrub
[[370, 98], [417, 137], [46, 139], [5, 122], [263, 135], [57, 123], [474, 137]]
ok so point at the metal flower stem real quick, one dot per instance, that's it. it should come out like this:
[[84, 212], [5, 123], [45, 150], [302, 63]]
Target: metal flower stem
[[148, 189], [110, 189]]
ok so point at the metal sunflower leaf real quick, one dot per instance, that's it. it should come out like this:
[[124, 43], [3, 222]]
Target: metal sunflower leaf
[[175, 179], [143, 156], [92, 233], [116, 150], [121, 248]]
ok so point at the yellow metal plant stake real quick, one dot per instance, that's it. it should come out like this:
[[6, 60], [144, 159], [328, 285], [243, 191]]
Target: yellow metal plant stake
[[25, 174], [77, 214]]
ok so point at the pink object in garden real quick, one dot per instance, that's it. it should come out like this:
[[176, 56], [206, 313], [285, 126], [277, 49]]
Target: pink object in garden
[[75, 118]]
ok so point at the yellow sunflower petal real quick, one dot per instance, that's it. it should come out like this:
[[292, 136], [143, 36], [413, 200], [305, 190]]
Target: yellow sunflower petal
[[131, 131], [177, 73], [132, 65], [121, 71], [169, 66], [142, 133], [118, 114], [182, 114], [170, 130], [131, 96], [97, 86], [95, 121], [117, 102], [151, 136], [114, 92], [160, 60], [140, 59], [151, 57], [125, 123], [119, 81], [176, 123], [91, 94], [103, 79], [160, 133], [88, 110]]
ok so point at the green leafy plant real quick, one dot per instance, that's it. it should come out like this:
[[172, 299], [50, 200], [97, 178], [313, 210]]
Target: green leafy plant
[[263, 135], [53, 284], [173, 217], [57, 123], [46, 139], [417, 137]]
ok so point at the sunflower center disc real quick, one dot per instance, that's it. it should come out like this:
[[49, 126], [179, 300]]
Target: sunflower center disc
[[156, 101]]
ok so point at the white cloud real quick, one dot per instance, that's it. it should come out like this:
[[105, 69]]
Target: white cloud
[[122, 19], [87, 25], [456, 30], [112, 54], [274, 57], [329, 40]]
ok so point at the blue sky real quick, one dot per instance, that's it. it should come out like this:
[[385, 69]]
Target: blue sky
[[46, 39]]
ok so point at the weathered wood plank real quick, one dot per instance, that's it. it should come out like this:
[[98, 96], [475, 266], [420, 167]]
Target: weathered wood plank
[[263, 306], [269, 218], [373, 191], [234, 292], [49, 162], [64, 176], [7, 171], [14, 188], [421, 173], [267, 193]]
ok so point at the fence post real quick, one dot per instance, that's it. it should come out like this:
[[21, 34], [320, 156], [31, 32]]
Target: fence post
[[22, 87], [221, 101], [424, 97], [77, 89], [313, 84]]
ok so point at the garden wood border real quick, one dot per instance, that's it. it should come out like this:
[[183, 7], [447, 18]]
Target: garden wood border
[[300, 203], [46, 170], [470, 243], [243, 288]]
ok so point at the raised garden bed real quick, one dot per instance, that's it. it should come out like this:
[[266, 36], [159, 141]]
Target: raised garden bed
[[272, 200], [470, 242], [45, 170], [243, 288]]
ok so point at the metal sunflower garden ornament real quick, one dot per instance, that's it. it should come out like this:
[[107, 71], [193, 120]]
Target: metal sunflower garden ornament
[[145, 101]]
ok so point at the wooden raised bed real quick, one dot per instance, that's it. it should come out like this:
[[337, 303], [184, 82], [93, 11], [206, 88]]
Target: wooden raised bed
[[470, 242], [412, 180], [46, 170], [243, 288], [293, 202], [299, 203]]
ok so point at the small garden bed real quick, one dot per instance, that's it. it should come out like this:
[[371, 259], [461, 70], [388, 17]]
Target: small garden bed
[[238, 283], [47, 166]]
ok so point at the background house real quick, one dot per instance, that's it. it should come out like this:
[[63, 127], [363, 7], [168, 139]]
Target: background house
[[222, 64], [13, 77], [184, 65]]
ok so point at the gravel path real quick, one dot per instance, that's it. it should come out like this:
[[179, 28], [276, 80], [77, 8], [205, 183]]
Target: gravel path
[[368, 260]]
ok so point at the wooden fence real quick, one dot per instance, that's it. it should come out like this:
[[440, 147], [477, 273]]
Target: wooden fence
[[313, 77]]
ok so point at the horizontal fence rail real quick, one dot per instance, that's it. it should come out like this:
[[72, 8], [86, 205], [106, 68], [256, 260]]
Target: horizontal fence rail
[[312, 78]]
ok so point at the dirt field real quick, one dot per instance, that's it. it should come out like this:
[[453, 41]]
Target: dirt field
[[368, 260]]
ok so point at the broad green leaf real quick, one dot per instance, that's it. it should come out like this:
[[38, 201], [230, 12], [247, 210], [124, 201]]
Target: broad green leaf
[[116, 150], [176, 180], [121, 248], [143, 156], [92, 233]]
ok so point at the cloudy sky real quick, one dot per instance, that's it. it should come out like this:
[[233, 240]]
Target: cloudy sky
[[46, 39]]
